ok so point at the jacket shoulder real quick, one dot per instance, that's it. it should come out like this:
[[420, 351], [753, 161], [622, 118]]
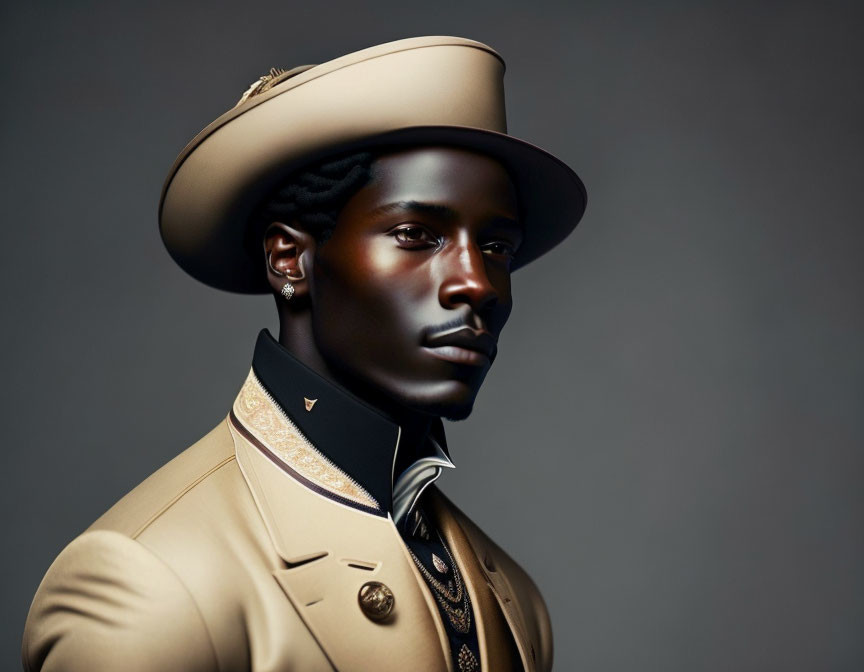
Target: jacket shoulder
[[153, 496], [107, 603]]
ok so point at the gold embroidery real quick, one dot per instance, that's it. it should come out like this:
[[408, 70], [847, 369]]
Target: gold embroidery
[[467, 660], [449, 595], [263, 418]]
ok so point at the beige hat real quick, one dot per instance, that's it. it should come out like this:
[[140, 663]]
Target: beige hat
[[421, 90]]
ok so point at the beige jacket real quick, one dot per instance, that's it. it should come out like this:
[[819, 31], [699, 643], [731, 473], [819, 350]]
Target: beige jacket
[[222, 561]]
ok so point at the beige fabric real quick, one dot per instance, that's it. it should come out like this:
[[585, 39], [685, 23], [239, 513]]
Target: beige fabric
[[431, 90], [222, 561]]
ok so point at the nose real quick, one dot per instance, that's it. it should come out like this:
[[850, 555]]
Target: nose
[[465, 279]]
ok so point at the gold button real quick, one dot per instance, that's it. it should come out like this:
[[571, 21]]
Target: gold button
[[376, 600]]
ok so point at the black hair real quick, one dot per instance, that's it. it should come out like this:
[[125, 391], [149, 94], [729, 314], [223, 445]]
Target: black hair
[[313, 196]]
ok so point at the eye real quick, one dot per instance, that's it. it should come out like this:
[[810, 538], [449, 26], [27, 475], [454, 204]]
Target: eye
[[500, 248], [413, 236]]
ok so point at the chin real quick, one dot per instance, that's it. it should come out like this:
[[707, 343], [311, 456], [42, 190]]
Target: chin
[[445, 397], [458, 413], [445, 409], [453, 400]]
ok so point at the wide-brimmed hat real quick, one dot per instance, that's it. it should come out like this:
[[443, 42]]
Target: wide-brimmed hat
[[417, 91]]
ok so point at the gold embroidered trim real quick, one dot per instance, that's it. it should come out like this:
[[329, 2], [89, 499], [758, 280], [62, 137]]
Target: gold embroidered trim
[[266, 421]]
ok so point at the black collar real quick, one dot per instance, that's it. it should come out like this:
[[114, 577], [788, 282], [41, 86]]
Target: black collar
[[356, 437]]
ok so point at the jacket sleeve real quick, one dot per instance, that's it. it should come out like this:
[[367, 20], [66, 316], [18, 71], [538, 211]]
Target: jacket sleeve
[[107, 603]]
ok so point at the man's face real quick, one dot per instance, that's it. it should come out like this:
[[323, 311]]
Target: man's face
[[411, 292]]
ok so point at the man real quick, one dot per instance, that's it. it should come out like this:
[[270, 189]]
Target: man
[[379, 200]]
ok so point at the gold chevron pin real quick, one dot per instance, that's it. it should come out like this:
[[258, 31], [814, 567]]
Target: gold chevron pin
[[309, 403]]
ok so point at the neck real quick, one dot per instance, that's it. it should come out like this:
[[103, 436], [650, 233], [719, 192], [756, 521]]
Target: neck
[[295, 334]]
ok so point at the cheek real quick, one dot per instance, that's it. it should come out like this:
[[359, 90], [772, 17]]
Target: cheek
[[371, 274], [365, 304]]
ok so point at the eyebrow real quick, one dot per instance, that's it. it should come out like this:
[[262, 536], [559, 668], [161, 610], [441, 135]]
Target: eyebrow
[[441, 211], [437, 210]]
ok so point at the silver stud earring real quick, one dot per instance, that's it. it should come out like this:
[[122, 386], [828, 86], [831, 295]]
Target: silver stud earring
[[288, 291]]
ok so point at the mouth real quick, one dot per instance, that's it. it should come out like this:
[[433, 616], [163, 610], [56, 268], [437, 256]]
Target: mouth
[[463, 345]]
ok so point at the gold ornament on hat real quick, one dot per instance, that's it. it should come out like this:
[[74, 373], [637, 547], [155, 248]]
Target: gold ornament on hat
[[261, 84], [268, 81]]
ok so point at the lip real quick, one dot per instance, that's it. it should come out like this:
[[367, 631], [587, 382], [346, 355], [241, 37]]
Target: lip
[[463, 345]]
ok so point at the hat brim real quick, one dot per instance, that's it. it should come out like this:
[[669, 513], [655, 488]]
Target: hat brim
[[552, 200]]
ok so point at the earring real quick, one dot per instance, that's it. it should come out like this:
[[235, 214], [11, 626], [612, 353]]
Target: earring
[[288, 291]]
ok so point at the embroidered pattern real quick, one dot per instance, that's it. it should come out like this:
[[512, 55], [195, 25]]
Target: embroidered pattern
[[467, 660], [263, 418], [436, 563], [452, 597]]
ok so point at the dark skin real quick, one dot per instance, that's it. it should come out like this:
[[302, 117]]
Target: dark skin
[[403, 305]]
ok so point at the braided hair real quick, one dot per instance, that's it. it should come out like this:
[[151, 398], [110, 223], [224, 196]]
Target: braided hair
[[314, 196]]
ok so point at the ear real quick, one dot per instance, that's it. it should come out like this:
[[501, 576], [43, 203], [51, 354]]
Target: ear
[[288, 252]]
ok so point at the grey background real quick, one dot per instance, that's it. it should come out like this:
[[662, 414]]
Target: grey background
[[671, 440]]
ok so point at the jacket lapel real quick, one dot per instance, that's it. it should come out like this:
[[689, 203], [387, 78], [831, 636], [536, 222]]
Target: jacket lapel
[[332, 544], [489, 590]]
